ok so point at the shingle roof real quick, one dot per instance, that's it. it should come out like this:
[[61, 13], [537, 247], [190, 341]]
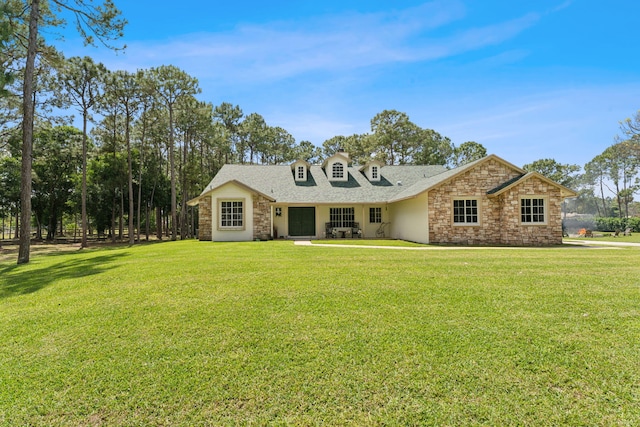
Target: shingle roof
[[397, 182], [277, 182], [505, 184], [433, 181], [564, 191]]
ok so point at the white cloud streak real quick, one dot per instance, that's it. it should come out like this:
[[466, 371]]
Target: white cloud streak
[[333, 44]]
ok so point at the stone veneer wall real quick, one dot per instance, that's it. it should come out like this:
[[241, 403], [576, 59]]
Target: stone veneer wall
[[205, 218], [515, 233], [499, 216], [261, 217]]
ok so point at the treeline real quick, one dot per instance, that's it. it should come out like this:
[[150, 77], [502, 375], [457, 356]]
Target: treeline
[[153, 145]]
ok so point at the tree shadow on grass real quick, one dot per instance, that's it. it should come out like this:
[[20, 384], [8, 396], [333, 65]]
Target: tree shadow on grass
[[22, 279]]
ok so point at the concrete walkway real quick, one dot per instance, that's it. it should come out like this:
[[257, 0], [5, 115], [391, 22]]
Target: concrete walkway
[[582, 243]]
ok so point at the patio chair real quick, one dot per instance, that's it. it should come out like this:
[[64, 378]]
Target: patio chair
[[355, 230], [329, 232]]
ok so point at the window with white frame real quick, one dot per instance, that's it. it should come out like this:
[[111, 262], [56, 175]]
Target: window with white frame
[[232, 214], [375, 215], [300, 172], [341, 217], [374, 172], [532, 210], [465, 211], [337, 170]]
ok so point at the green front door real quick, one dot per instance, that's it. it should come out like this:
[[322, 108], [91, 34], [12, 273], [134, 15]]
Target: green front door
[[302, 221]]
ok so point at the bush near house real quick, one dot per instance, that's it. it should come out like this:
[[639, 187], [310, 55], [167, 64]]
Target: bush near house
[[620, 224]]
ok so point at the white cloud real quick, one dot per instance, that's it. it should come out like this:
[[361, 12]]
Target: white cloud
[[337, 43], [308, 77]]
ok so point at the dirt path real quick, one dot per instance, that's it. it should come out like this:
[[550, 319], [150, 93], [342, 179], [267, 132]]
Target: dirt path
[[10, 252]]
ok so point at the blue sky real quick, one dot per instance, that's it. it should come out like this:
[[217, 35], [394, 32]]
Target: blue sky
[[527, 79]]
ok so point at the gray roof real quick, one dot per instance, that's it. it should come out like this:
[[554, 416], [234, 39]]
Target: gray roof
[[278, 183], [397, 182]]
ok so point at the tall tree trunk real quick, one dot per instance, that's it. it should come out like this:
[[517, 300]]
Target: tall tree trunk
[[121, 217], [146, 225], [174, 217], [27, 135], [17, 229], [140, 186], [159, 223], [184, 224], [38, 227], [129, 161], [83, 197], [113, 218], [604, 205], [53, 222]]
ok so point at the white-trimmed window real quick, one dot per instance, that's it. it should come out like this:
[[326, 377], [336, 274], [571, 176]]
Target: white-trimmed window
[[231, 214], [300, 172], [375, 215], [374, 172], [532, 210], [465, 212], [337, 170], [341, 217]]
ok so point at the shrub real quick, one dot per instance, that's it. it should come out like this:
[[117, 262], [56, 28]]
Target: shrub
[[613, 224]]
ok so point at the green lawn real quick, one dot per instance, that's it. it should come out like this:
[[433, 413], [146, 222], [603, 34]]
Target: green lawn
[[607, 237], [190, 333], [368, 242]]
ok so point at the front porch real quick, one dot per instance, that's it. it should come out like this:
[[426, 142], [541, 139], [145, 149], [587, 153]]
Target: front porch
[[350, 231], [330, 221]]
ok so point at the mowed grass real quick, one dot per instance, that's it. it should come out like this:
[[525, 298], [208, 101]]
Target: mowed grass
[[368, 242], [608, 237], [268, 333]]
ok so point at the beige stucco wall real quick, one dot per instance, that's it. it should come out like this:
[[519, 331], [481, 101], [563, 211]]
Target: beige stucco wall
[[499, 217], [232, 191], [369, 229], [410, 221]]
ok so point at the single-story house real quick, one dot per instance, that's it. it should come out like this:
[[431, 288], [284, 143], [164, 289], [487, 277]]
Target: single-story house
[[486, 202]]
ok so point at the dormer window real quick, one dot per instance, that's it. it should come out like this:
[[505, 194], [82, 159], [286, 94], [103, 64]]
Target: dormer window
[[372, 170], [336, 167], [337, 171], [300, 169]]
